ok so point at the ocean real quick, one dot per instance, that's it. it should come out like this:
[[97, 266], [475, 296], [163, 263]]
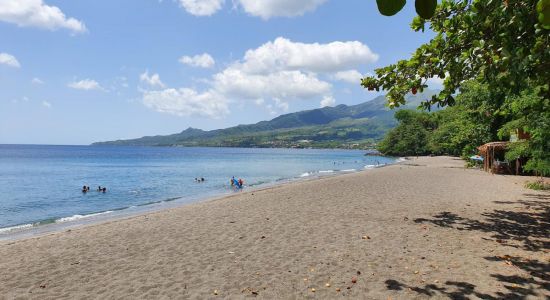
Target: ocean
[[42, 185]]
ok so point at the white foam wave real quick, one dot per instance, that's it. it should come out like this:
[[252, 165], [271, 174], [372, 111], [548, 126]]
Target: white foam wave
[[327, 171], [78, 217], [306, 174], [14, 228], [370, 166], [349, 170], [401, 159]]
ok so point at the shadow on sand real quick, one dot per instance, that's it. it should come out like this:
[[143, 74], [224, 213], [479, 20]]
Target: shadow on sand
[[528, 229]]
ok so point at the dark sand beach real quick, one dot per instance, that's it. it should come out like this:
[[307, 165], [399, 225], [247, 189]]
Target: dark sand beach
[[426, 228]]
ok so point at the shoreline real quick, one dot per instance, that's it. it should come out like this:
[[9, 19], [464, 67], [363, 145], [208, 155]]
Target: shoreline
[[60, 224], [426, 228]]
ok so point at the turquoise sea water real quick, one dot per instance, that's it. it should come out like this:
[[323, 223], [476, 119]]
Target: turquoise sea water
[[42, 184]]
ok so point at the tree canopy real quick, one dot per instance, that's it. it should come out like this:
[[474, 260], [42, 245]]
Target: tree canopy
[[500, 43]]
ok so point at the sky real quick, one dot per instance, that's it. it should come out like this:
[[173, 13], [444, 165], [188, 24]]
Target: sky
[[77, 72]]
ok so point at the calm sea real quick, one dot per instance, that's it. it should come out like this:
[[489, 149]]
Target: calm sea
[[42, 184]]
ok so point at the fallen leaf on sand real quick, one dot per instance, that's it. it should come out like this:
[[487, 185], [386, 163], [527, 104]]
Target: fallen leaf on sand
[[313, 290], [416, 272], [327, 284], [354, 279], [215, 292], [338, 289], [365, 237]]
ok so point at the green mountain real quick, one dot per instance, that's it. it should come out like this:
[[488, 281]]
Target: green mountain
[[355, 126]]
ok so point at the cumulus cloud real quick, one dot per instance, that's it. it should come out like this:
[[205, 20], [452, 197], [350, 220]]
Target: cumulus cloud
[[35, 13], [236, 83], [9, 60], [328, 101], [37, 80], [266, 9], [288, 70], [186, 102], [151, 80], [202, 7], [46, 104], [203, 60], [85, 84], [284, 54], [272, 75], [351, 76]]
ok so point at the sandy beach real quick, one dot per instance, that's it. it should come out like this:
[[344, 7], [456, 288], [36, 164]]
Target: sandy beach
[[426, 228]]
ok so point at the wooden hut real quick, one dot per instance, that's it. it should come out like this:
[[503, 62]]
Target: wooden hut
[[493, 157]]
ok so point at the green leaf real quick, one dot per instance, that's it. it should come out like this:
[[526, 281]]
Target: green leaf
[[543, 9], [390, 7], [425, 8]]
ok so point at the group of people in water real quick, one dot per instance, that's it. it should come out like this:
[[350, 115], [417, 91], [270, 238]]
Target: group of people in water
[[86, 189], [236, 183]]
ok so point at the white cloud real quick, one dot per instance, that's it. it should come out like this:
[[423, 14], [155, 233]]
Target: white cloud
[[277, 73], [288, 70], [328, 101], [279, 8], [35, 13], [46, 104], [85, 84], [203, 60], [283, 85], [202, 7], [9, 60], [37, 80], [283, 54], [351, 76], [153, 80], [186, 102]]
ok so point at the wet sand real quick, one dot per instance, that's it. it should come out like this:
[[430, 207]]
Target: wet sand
[[427, 228]]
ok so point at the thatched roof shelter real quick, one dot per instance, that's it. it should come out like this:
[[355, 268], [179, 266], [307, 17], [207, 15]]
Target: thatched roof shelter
[[488, 152]]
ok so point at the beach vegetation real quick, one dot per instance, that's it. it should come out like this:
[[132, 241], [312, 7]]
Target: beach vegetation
[[494, 60], [538, 185]]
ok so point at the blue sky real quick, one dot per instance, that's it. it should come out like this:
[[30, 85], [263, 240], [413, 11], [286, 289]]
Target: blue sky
[[75, 72]]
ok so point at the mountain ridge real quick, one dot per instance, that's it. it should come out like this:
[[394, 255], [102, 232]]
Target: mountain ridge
[[362, 123]]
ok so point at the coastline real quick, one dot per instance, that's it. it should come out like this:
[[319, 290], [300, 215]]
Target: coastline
[[423, 228], [45, 227]]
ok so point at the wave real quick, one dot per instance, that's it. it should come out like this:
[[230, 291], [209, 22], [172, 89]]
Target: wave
[[348, 170], [15, 228], [326, 171], [306, 174], [78, 217]]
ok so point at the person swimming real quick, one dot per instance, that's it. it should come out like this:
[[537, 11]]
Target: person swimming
[[84, 189], [104, 189], [99, 189]]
